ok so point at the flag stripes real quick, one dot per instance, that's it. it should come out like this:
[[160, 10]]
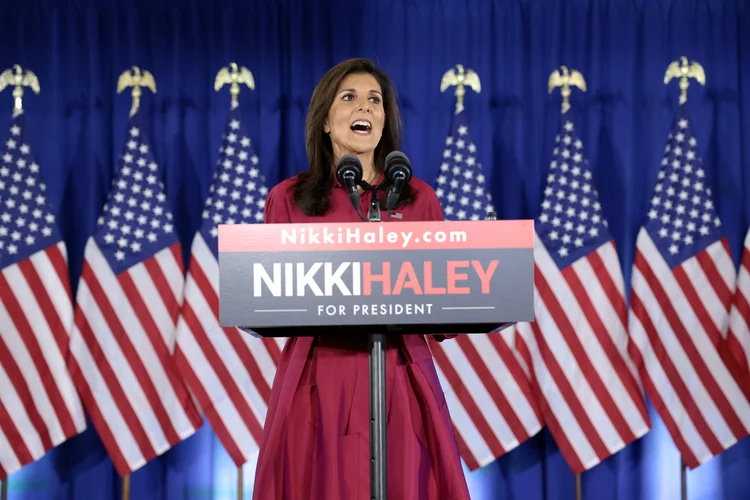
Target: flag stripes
[[576, 349], [39, 406], [738, 335], [229, 371], [141, 407], [486, 387], [488, 394], [678, 341], [235, 393]]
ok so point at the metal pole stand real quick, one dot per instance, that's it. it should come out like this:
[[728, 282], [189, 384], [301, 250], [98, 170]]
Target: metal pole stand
[[378, 455], [378, 460]]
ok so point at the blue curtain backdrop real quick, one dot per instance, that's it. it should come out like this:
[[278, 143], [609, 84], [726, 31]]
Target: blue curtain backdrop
[[78, 49]]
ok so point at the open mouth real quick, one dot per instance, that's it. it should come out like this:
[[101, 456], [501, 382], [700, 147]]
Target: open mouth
[[361, 127]]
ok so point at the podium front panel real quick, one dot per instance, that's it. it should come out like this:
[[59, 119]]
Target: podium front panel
[[417, 277]]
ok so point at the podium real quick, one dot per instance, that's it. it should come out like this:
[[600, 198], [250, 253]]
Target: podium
[[314, 279]]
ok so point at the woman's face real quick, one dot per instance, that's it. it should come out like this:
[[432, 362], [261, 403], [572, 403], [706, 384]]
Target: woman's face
[[356, 117]]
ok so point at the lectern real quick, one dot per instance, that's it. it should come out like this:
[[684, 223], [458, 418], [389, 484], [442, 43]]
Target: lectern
[[447, 277]]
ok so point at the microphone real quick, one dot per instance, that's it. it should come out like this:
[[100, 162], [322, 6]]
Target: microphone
[[397, 173], [349, 173]]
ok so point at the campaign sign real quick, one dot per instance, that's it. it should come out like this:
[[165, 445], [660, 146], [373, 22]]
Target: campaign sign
[[431, 277]]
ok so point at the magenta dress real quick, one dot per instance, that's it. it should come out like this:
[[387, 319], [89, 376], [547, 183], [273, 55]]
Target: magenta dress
[[316, 443]]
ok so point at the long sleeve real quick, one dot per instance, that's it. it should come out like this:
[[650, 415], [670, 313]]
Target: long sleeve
[[275, 210]]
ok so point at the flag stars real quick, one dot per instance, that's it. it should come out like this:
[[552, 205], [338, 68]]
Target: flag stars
[[234, 180], [461, 184], [570, 197], [24, 205], [136, 210], [688, 207]]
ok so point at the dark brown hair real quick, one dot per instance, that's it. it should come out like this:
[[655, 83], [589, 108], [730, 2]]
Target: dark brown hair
[[313, 187]]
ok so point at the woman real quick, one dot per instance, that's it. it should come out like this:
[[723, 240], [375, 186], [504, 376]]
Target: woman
[[316, 436]]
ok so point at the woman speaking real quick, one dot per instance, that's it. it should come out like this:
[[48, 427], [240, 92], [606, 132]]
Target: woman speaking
[[315, 441]]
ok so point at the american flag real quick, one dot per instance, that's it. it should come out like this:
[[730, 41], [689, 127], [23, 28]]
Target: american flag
[[229, 371], [738, 335], [682, 284], [576, 348], [126, 311], [488, 392], [39, 405]]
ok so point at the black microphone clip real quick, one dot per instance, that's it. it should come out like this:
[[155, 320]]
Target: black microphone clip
[[398, 175], [349, 173]]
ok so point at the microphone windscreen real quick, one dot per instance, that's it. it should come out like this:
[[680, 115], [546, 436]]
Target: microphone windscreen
[[396, 160], [349, 162]]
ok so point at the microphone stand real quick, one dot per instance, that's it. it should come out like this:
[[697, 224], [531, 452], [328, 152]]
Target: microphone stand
[[378, 456]]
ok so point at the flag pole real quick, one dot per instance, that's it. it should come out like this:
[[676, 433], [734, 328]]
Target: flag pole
[[564, 78], [684, 71], [4, 489], [240, 494], [126, 487], [683, 475], [235, 75]]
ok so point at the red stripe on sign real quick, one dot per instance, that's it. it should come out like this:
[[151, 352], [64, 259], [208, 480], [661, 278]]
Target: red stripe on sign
[[317, 237]]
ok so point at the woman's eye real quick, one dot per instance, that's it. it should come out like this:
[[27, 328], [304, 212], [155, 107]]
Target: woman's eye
[[375, 100]]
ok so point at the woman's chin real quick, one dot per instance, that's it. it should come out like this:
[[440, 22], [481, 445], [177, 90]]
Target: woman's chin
[[362, 149]]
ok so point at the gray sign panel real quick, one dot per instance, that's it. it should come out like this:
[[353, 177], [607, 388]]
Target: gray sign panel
[[275, 289]]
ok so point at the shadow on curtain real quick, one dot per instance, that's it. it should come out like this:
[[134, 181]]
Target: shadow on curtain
[[78, 49]]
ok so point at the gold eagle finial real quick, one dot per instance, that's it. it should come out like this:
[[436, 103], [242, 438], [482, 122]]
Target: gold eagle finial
[[565, 79], [136, 79], [235, 76], [18, 79], [460, 79], [684, 72]]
